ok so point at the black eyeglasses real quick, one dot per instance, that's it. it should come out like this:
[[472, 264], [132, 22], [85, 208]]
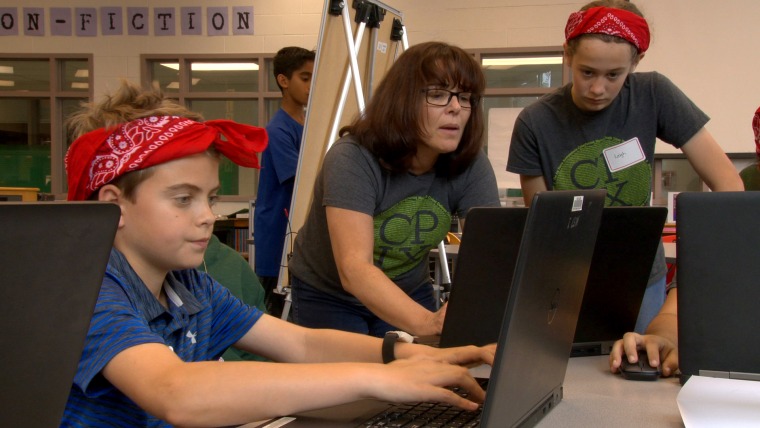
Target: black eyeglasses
[[442, 98]]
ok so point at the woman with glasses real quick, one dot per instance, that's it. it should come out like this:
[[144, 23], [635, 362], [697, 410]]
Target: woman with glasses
[[386, 195]]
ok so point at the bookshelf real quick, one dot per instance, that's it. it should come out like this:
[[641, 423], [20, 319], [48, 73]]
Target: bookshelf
[[235, 233]]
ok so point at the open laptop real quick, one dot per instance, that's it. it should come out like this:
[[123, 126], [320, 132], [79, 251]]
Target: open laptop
[[538, 324], [53, 257], [626, 246], [485, 265], [718, 243]]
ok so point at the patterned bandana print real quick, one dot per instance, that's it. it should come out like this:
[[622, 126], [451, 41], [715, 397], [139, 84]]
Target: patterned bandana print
[[586, 168], [756, 129], [611, 21], [405, 233], [100, 156]]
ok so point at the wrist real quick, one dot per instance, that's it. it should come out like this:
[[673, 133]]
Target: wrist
[[389, 344]]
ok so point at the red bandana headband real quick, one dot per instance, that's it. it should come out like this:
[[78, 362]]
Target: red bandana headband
[[100, 156], [611, 21], [756, 129]]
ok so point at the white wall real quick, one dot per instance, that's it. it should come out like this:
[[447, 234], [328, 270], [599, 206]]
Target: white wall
[[707, 47]]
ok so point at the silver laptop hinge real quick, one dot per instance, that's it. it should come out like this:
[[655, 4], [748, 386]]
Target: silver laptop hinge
[[730, 375]]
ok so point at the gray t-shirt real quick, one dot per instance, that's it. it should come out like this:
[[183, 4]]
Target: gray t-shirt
[[574, 149], [411, 215]]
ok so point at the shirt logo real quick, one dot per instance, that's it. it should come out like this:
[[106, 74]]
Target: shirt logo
[[586, 167], [405, 233], [190, 335]]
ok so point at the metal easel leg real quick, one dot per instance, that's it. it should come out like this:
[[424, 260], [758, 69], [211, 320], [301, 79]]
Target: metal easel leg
[[443, 283]]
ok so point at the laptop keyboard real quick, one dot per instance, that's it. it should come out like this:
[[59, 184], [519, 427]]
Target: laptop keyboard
[[437, 415]]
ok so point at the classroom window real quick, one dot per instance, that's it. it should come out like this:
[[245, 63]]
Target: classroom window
[[234, 87], [37, 93], [515, 78]]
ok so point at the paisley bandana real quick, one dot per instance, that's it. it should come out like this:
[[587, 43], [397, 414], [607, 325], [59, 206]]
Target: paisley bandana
[[611, 21], [100, 156], [756, 129]]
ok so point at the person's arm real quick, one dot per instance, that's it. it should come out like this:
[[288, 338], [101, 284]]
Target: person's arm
[[231, 393], [531, 184], [352, 237], [711, 163], [660, 340]]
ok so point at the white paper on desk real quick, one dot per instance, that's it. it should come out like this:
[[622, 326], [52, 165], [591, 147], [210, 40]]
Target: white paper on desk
[[715, 402]]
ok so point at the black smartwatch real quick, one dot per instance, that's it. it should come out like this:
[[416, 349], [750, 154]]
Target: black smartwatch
[[389, 344]]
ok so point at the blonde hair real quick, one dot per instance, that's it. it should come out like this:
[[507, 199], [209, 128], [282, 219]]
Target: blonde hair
[[127, 103]]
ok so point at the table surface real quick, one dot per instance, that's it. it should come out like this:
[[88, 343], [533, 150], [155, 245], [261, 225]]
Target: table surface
[[595, 397]]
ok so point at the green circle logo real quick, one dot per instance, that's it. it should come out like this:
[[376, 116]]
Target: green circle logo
[[405, 233], [586, 168]]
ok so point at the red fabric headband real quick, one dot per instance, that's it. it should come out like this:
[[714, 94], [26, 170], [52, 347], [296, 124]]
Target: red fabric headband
[[756, 129], [612, 21], [100, 156]]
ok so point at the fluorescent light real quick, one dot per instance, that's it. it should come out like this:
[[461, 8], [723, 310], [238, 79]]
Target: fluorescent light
[[80, 85], [82, 73], [7, 83], [224, 66], [512, 61], [216, 66], [6, 69]]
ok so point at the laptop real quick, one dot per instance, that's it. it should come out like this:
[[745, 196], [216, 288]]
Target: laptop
[[625, 249], [538, 323], [626, 246], [53, 257], [717, 246], [485, 265]]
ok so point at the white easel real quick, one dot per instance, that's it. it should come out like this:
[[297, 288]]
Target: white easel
[[363, 62]]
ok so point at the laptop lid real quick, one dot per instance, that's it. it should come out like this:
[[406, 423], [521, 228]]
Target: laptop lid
[[483, 274], [53, 257], [717, 246], [543, 307], [626, 246]]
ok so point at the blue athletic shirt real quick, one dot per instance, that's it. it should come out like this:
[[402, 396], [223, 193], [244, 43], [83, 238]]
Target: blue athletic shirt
[[202, 321], [279, 163]]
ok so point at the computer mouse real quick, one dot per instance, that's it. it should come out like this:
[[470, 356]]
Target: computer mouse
[[640, 370]]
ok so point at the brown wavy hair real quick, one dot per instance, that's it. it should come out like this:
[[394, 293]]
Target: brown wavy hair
[[392, 126]]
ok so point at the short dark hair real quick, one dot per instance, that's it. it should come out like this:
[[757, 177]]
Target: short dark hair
[[290, 59], [392, 127]]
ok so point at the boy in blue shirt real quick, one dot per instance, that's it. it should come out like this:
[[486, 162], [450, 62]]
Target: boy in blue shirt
[[151, 356], [292, 69]]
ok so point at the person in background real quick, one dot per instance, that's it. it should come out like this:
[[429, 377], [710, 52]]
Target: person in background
[[599, 131], [751, 174], [292, 68], [151, 355], [386, 194], [229, 268], [660, 340]]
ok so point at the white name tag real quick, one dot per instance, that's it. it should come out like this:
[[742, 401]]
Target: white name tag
[[624, 155]]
